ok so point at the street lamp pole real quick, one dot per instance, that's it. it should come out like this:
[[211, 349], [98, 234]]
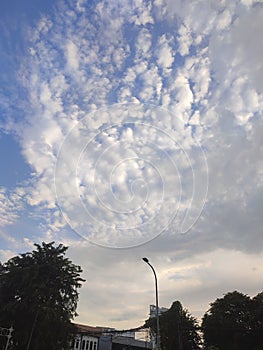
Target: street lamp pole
[[157, 305]]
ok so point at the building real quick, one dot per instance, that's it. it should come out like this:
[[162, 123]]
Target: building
[[120, 342], [153, 310], [86, 338], [84, 342], [104, 338]]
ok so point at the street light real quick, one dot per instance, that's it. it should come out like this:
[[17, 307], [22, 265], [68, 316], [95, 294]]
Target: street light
[[157, 305]]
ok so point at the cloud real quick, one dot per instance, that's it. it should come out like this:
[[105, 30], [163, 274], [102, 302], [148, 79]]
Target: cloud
[[122, 186], [242, 51], [195, 280], [164, 53], [97, 68], [185, 41], [72, 56], [6, 254], [11, 204], [143, 44]]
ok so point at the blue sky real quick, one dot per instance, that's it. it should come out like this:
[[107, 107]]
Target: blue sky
[[131, 129]]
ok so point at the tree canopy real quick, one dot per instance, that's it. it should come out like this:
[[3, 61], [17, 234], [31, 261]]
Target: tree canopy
[[38, 297], [178, 329], [234, 322]]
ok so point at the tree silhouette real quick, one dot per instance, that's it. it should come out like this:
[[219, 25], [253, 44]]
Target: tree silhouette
[[38, 297], [179, 330], [234, 322]]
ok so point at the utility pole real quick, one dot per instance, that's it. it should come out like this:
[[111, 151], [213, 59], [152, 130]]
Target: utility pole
[[157, 305]]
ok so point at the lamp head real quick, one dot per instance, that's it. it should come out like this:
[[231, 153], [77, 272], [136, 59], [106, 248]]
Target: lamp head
[[145, 259]]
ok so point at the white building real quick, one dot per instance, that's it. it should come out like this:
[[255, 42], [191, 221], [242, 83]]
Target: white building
[[153, 310], [101, 338], [84, 342], [86, 338]]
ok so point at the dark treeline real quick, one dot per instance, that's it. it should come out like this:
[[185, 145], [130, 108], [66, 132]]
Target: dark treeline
[[233, 322]]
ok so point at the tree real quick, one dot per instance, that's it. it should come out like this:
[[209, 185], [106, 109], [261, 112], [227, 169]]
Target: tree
[[38, 297], [257, 322], [234, 322], [178, 329]]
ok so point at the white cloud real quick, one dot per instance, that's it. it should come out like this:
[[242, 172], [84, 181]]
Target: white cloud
[[181, 97], [151, 85], [164, 53], [6, 254], [242, 51], [124, 177], [98, 66], [143, 43], [184, 40], [223, 19], [11, 204], [142, 14], [198, 71]]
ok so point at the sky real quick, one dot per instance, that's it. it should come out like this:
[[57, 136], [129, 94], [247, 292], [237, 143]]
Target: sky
[[131, 129]]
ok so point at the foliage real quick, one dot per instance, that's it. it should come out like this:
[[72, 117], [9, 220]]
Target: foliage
[[234, 322], [257, 322], [178, 329], [38, 297]]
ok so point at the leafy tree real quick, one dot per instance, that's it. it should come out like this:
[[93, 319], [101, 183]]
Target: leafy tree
[[234, 322], [178, 329], [38, 297], [257, 322]]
